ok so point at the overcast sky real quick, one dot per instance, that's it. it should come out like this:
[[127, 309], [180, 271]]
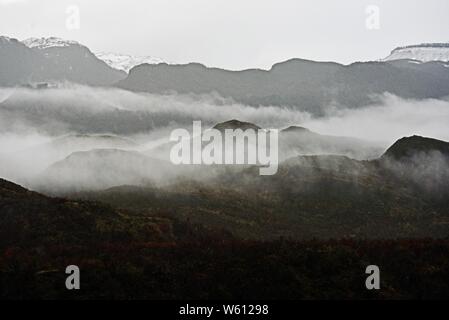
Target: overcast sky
[[233, 34]]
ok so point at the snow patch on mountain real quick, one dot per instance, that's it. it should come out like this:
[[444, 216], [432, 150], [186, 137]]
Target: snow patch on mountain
[[44, 43], [126, 62], [423, 52]]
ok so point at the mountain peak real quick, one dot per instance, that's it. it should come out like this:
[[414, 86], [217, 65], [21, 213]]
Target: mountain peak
[[236, 124], [408, 146], [51, 42], [296, 129]]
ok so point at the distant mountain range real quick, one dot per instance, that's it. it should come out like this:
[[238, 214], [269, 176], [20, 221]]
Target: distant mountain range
[[302, 84], [54, 59]]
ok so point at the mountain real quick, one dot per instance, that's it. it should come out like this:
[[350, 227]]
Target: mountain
[[422, 52], [72, 61], [52, 59], [99, 169], [126, 62], [410, 146], [296, 129], [236, 124], [18, 166], [302, 84], [18, 63], [422, 163]]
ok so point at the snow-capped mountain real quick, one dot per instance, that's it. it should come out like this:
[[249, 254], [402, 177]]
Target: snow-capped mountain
[[126, 62], [422, 52], [51, 60], [4, 39], [44, 43]]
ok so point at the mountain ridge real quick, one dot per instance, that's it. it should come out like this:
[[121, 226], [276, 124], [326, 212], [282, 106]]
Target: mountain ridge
[[301, 84], [296, 83]]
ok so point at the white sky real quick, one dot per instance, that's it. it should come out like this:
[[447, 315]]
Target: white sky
[[233, 34]]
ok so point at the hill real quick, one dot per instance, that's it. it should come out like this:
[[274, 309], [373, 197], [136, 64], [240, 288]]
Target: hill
[[104, 168], [31, 219], [409, 146]]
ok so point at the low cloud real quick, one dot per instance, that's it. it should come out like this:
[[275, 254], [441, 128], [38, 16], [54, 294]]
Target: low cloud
[[82, 109], [387, 121], [32, 122]]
